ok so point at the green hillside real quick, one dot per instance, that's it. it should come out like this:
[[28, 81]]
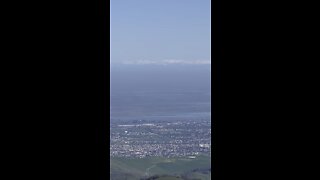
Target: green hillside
[[179, 168]]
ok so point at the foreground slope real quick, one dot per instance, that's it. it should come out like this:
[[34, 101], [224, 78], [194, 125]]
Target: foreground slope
[[161, 168]]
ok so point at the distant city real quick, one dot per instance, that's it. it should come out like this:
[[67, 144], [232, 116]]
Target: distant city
[[160, 112], [142, 138]]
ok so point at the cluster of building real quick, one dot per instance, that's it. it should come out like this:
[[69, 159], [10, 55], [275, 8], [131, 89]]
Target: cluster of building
[[138, 139]]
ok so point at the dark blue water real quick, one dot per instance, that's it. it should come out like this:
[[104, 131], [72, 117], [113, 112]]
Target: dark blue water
[[154, 92]]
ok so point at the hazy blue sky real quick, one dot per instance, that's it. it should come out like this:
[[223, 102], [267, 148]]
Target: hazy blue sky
[[172, 31]]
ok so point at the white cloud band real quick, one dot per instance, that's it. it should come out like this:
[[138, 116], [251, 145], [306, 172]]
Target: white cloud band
[[168, 61]]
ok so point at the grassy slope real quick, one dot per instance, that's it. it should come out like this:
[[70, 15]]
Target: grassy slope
[[136, 168]]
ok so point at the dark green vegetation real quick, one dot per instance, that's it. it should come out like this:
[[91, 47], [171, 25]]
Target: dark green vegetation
[[158, 168]]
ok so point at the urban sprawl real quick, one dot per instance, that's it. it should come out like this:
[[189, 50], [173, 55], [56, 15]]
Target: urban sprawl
[[141, 138]]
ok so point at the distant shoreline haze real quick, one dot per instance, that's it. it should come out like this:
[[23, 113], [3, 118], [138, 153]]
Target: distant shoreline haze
[[155, 90]]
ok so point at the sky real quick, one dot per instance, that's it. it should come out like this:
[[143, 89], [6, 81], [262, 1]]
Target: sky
[[160, 31]]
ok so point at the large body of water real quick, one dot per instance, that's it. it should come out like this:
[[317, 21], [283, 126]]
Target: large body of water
[[153, 92]]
